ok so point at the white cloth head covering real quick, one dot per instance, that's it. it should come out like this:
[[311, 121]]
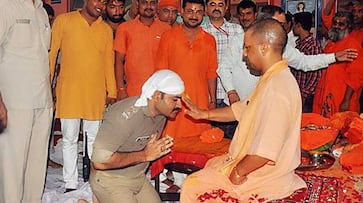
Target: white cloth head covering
[[163, 80]]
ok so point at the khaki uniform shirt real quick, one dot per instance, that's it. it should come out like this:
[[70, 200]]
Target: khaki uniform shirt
[[24, 64], [126, 128]]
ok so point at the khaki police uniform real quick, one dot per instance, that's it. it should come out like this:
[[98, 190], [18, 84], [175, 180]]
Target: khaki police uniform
[[26, 93], [125, 128]]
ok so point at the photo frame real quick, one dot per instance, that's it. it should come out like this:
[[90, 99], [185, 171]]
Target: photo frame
[[262, 3], [75, 4], [294, 6], [56, 1], [312, 6]]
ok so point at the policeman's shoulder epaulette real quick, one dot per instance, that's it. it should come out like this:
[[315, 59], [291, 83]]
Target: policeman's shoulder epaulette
[[129, 112]]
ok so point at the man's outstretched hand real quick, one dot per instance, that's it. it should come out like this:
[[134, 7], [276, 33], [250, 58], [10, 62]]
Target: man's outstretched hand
[[194, 111], [346, 55]]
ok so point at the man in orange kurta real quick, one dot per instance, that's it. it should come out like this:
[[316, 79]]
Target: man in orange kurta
[[340, 87], [86, 79], [191, 52], [135, 46]]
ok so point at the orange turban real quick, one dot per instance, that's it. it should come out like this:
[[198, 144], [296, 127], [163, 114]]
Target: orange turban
[[172, 3]]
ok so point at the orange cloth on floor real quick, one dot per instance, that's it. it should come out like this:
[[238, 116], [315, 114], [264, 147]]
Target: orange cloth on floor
[[140, 44], [212, 135], [342, 120], [312, 139], [332, 86], [353, 160], [355, 132], [195, 62], [313, 118]]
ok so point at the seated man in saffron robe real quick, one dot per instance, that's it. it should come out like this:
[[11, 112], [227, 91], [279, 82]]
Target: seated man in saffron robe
[[265, 149]]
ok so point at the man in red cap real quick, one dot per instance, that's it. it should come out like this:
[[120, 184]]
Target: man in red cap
[[168, 11]]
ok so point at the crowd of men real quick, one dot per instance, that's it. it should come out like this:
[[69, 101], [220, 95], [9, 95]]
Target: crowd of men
[[140, 63]]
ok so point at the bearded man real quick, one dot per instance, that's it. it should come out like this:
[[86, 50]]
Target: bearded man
[[191, 52], [115, 10], [340, 87]]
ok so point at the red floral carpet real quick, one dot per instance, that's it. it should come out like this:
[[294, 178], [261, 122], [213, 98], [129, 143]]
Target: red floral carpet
[[320, 190]]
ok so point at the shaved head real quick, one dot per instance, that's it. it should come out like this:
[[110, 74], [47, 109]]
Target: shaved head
[[271, 32]]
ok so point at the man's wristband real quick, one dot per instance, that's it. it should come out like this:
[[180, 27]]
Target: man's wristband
[[236, 174]]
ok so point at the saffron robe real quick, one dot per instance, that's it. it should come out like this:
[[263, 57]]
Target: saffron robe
[[332, 86], [195, 62], [269, 127]]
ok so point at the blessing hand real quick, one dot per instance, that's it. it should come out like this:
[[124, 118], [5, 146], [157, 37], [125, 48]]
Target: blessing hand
[[193, 110]]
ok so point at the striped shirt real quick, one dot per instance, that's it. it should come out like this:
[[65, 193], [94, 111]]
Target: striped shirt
[[307, 81], [222, 35]]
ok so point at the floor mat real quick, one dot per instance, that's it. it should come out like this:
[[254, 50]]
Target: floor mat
[[320, 190]]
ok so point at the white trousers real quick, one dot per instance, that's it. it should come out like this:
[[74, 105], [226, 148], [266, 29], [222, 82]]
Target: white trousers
[[70, 133]]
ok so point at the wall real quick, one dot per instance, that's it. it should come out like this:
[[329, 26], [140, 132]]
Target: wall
[[275, 2], [59, 8], [64, 6]]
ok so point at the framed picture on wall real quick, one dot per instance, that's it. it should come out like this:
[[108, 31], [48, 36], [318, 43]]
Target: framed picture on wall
[[312, 6], [76, 4], [56, 1], [295, 6], [262, 3]]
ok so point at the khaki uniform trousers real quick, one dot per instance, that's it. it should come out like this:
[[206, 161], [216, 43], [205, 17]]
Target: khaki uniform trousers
[[116, 189], [23, 155]]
